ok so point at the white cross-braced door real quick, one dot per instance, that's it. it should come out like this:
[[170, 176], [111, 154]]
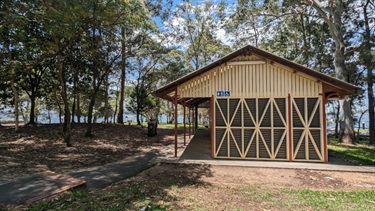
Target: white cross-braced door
[[251, 128]]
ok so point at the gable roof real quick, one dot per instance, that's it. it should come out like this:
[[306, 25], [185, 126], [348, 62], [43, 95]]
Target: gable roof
[[344, 87]]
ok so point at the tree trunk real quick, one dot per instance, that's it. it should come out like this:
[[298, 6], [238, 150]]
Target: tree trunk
[[337, 121], [14, 89], [305, 52], [73, 109], [333, 17], [89, 118], [25, 119], [346, 119], [116, 106], [347, 134], [66, 124], [138, 117], [368, 58], [16, 102], [106, 103], [78, 113], [120, 115], [60, 114], [32, 110], [359, 125], [49, 117]]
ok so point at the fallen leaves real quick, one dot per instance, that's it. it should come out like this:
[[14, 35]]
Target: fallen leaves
[[38, 148]]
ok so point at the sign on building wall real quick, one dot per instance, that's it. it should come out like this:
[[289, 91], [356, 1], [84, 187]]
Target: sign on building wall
[[222, 93]]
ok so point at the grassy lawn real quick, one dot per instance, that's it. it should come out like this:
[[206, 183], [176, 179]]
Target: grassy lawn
[[164, 125], [169, 126], [360, 154], [174, 197], [334, 200]]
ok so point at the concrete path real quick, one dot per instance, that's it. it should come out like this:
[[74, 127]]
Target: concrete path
[[33, 188], [102, 176]]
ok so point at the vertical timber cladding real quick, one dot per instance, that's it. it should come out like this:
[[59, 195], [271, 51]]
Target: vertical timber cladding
[[253, 124]]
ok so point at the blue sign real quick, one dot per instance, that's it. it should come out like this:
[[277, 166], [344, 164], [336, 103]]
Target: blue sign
[[222, 93]]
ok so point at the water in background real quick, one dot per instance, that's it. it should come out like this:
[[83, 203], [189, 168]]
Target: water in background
[[43, 118]]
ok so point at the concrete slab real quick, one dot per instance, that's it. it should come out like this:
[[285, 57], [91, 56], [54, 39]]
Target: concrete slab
[[199, 147], [33, 188], [282, 165], [199, 152]]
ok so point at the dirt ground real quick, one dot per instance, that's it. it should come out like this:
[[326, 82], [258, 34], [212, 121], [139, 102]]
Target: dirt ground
[[182, 187], [39, 148], [196, 187]]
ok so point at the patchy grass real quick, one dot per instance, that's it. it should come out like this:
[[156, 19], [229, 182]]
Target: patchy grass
[[170, 126], [132, 197], [203, 187], [335, 200], [137, 197], [360, 154]]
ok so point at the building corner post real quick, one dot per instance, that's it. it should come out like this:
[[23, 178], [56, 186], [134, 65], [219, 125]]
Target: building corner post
[[175, 122]]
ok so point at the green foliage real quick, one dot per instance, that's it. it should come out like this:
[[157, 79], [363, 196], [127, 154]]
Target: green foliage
[[141, 101], [196, 29]]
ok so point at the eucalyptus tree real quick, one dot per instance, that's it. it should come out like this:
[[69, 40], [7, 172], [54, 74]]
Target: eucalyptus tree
[[63, 21], [102, 40], [172, 66], [332, 13], [137, 18], [367, 55], [244, 24], [195, 27], [146, 73], [328, 16], [13, 17]]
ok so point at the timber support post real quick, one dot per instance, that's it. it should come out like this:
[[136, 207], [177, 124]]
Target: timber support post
[[325, 150], [184, 105], [212, 107], [196, 118], [175, 123], [290, 132], [189, 119]]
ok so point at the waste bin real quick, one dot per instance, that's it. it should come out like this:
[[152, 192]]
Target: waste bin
[[152, 127]]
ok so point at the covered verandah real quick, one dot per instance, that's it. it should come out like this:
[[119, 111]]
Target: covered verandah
[[199, 147], [190, 108]]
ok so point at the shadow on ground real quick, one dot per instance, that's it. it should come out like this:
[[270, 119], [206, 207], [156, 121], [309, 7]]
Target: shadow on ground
[[35, 149], [154, 189]]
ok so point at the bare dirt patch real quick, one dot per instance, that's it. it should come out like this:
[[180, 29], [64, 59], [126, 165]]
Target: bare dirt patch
[[203, 187], [39, 148]]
